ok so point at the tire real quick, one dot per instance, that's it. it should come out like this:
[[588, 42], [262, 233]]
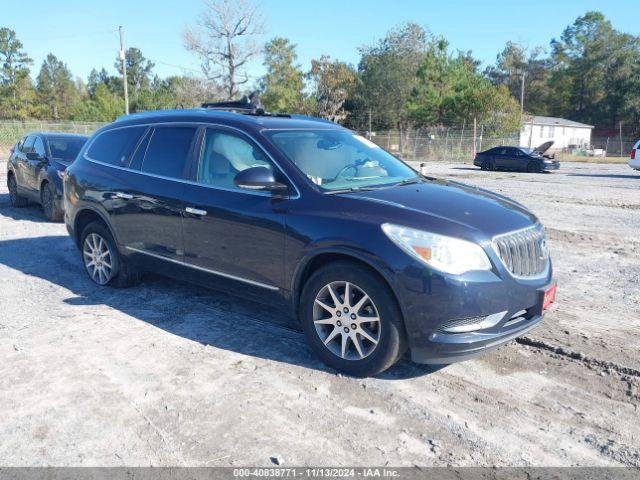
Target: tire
[[15, 199], [491, 166], [319, 323], [533, 168], [485, 165], [49, 205], [120, 273]]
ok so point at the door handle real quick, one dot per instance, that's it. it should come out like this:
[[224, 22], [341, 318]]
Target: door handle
[[195, 211], [124, 196]]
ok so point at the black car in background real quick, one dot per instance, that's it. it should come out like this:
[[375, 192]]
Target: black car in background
[[314, 220], [517, 159], [36, 167]]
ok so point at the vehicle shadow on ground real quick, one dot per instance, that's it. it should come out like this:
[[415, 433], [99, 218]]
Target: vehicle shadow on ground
[[202, 315], [32, 212], [604, 175]]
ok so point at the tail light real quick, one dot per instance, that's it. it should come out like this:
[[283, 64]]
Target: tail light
[[633, 154]]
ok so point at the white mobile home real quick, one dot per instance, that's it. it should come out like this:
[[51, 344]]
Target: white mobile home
[[564, 133]]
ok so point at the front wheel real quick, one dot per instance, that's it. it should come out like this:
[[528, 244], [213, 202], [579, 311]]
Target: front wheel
[[533, 168], [102, 261], [15, 199], [489, 165], [351, 319]]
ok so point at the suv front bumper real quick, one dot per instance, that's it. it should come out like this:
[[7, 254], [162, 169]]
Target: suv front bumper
[[442, 347]]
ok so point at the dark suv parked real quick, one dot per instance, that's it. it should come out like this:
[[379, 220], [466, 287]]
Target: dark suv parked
[[36, 167], [372, 257]]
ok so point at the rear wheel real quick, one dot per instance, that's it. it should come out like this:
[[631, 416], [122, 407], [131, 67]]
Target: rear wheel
[[15, 199], [102, 261], [49, 205], [489, 165], [351, 319]]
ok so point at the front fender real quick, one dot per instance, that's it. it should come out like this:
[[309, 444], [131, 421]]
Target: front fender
[[346, 251]]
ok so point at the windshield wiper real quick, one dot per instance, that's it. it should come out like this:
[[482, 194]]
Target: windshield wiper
[[352, 190], [409, 181]]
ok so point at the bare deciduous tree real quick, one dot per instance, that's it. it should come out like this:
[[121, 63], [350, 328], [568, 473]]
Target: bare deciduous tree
[[224, 40]]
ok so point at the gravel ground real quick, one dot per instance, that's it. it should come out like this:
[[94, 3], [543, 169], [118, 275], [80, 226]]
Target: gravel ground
[[169, 374]]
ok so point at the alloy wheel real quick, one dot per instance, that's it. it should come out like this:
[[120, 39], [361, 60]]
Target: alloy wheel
[[346, 320], [97, 257]]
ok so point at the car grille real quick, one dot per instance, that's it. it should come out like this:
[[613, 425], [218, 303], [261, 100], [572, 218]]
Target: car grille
[[524, 252]]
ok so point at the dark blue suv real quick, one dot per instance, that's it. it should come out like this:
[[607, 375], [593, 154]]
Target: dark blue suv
[[303, 214], [35, 169]]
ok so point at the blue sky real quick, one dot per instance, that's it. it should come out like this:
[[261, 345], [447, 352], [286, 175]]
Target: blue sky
[[84, 33]]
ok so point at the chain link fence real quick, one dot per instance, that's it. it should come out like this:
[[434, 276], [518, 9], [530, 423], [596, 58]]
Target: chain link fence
[[439, 144], [460, 145], [12, 131], [447, 144]]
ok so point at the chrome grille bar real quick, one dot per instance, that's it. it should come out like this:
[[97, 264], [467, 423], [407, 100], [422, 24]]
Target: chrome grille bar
[[524, 252]]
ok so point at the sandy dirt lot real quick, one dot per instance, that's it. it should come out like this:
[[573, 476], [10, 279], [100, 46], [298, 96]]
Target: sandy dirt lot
[[169, 374]]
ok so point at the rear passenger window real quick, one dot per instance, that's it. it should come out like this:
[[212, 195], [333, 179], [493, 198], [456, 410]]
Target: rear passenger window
[[115, 146], [168, 151]]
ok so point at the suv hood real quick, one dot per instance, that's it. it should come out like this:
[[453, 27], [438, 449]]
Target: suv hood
[[486, 213]]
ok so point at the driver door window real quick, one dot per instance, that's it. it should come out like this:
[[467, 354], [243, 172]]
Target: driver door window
[[38, 147], [27, 146], [223, 155]]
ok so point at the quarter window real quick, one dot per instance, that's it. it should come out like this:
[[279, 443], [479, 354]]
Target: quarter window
[[168, 151], [115, 146], [223, 155]]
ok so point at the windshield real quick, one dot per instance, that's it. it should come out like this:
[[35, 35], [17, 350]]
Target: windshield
[[340, 160], [65, 148], [530, 151]]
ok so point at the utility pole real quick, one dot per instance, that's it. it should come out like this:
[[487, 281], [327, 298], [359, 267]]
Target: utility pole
[[522, 94], [369, 124], [123, 59]]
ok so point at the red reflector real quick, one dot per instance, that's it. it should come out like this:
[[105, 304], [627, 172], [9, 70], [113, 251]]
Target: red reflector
[[549, 297], [633, 154]]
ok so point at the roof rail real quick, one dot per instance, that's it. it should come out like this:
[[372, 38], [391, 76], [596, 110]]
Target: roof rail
[[249, 105]]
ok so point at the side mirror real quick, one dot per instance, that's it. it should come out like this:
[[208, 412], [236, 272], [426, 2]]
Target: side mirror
[[258, 178], [35, 156]]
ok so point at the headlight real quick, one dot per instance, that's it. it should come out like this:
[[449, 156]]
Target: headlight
[[447, 254], [60, 174]]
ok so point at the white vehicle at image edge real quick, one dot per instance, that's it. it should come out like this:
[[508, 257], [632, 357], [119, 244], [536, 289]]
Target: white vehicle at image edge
[[635, 156]]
